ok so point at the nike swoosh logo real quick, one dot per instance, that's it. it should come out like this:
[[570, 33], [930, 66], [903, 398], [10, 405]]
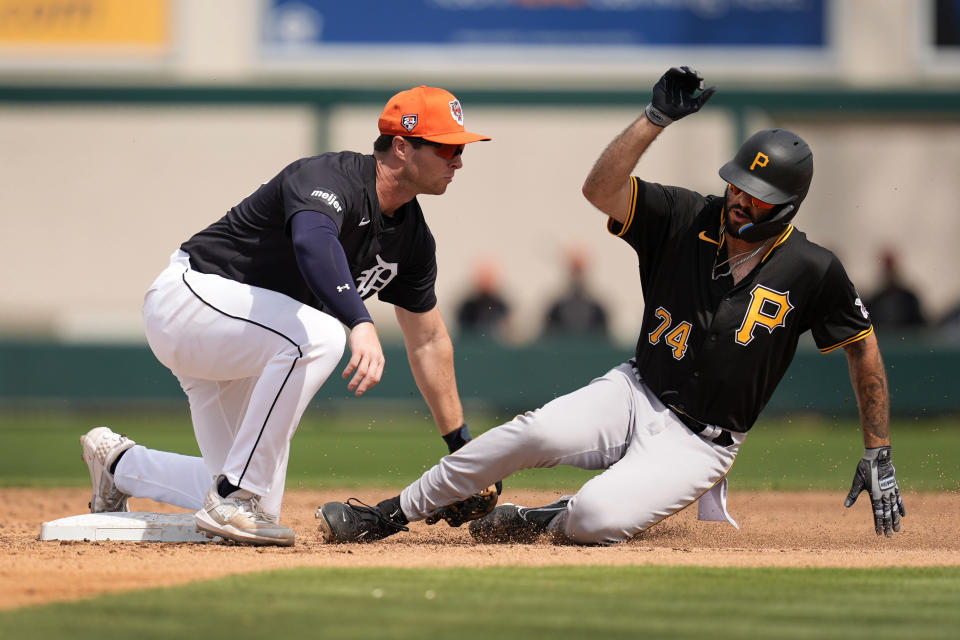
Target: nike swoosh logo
[[365, 221], [703, 236]]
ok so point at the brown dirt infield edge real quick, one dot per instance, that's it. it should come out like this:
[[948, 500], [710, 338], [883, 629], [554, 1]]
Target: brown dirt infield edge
[[777, 530]]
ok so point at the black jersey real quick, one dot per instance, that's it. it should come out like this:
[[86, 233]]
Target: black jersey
[[393, 256], [713, 350]]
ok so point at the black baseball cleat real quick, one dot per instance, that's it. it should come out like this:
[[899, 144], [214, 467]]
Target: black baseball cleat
[[346, 522], [513, 523]]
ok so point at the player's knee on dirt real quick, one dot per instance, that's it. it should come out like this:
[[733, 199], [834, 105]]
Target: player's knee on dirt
[[593, 522]]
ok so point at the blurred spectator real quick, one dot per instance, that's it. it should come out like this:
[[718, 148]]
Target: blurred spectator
[[576, 311], [950, 322], [484, 312], [947, 21], [894, 304]]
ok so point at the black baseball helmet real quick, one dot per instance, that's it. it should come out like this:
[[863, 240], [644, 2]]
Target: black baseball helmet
[[776, 166]]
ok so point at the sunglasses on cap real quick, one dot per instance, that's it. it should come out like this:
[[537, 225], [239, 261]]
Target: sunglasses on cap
[[755, 202], [445, 151]]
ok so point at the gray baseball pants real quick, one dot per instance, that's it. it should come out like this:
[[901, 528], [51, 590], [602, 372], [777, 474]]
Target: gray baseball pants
[[653, 465]]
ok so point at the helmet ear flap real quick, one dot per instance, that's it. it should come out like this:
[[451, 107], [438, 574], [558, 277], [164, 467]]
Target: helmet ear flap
[[772, 226]]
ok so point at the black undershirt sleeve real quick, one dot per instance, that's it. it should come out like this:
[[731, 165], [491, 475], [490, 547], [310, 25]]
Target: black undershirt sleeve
[[324, 266]]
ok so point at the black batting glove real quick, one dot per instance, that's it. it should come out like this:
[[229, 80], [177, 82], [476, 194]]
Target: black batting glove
[[673, 96], [875, 473]]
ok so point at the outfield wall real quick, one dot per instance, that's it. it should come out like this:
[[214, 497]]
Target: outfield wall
[[489, 377]]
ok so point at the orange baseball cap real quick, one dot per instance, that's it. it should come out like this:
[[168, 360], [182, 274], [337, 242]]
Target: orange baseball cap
[[429, 113]]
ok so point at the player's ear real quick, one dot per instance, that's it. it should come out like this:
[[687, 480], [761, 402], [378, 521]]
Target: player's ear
[[401, 147]]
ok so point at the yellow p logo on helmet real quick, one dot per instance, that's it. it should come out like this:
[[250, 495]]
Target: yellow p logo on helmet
[[760, 161]]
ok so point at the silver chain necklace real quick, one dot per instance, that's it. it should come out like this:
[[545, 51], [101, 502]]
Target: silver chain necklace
[[740, 259]]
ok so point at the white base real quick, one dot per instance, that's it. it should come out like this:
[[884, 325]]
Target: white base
[[137, 526]]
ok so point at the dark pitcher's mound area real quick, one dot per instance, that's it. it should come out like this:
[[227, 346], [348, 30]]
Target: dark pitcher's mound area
[[777, 530]]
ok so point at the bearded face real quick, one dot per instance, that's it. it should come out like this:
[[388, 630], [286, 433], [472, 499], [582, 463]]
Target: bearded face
[[741, 211]]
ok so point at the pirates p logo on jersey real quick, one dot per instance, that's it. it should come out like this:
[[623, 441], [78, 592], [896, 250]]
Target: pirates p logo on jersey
[[768, 308], [409, 121]]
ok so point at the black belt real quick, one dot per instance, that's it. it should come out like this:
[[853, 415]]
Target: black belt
[[724, 439]]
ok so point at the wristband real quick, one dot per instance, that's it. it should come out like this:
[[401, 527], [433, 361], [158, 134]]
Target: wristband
[[874, 453], [458, 438], [656, 116]]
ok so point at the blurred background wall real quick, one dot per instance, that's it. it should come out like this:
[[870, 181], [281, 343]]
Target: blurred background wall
[[126, 126]]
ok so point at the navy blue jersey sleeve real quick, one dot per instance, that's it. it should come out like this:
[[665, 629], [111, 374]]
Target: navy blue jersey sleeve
[[840, 316], [317, 184], [656, 213], [414, 288], [324, 267]]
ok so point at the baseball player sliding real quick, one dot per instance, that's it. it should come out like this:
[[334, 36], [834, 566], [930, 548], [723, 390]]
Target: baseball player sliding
[[729, 285], [248, 317]]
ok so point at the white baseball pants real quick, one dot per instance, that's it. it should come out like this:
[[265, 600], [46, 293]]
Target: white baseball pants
[[653, 464], [249, 360]]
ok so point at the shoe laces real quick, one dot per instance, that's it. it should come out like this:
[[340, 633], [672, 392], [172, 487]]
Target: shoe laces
[[257, 510], [252, 506], [376, 513]]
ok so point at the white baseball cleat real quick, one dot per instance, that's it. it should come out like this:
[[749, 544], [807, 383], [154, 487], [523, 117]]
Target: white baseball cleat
[[241, 519], [101, 446]]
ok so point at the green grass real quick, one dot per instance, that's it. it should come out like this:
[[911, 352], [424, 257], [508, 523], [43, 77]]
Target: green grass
[[391, 450], [41, 449], [800, 454], [529, 603]]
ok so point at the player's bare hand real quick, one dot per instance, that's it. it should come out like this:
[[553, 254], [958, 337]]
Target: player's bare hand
[[875, 474], [675, 96], [366, 358]]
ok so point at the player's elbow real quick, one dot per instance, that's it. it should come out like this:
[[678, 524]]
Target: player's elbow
[[591, 192], [599, 196], [301, 245]]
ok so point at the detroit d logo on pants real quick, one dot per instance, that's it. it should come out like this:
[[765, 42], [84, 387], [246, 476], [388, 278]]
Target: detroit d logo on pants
[[376, 278]]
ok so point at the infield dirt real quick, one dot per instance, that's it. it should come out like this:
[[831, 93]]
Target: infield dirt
[[777, 530]]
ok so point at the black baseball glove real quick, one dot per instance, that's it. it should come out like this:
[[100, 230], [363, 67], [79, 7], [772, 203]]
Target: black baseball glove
[[673, 96], [875, 473], [476, 506]]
